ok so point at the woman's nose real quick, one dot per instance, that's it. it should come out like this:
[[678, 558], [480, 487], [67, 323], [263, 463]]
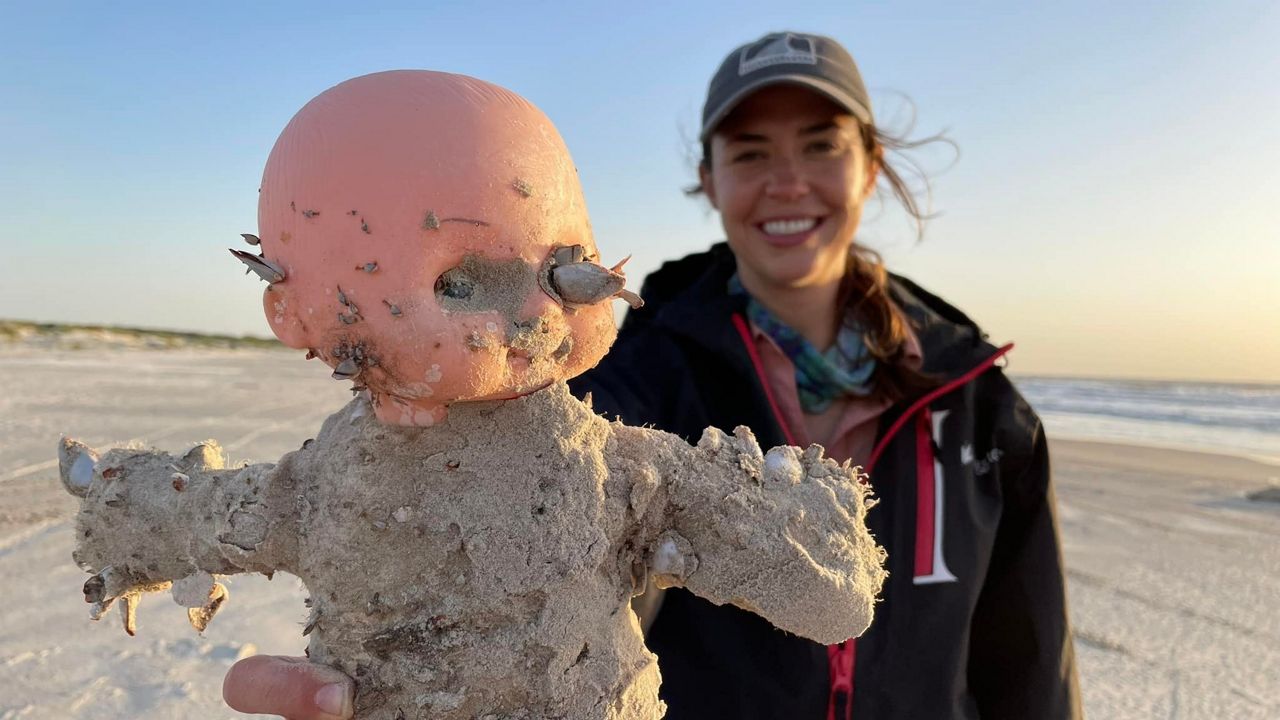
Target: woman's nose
[[786, 180]]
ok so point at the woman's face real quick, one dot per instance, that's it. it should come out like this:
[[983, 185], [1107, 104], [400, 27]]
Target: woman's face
[[789, 175]]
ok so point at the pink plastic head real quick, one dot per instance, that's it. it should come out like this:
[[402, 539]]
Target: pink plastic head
[[434, 244]]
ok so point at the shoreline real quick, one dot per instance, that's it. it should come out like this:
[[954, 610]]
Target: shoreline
[[1133, 455]]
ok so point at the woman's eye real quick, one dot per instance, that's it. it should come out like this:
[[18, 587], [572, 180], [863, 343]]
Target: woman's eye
[[747, 156], [822, 147]]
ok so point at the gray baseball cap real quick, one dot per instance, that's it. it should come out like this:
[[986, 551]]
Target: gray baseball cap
[[814, 61]]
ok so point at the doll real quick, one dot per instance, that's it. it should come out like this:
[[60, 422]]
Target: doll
[[470, 533]]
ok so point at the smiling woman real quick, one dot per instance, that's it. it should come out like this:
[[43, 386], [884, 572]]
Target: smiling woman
[[788, 168], [796, 330], [788, 173]]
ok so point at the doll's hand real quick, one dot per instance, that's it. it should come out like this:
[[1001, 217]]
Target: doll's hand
[[290, 686]]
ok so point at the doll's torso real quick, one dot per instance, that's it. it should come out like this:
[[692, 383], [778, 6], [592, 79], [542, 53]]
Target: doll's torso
[[485, 562]]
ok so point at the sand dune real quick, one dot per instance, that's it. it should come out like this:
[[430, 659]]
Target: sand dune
[[1173, 571]]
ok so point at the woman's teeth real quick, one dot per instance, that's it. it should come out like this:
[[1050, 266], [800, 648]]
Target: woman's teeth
[[788, 227]]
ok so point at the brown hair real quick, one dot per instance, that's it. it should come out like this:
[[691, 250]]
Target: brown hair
[[864, 290]]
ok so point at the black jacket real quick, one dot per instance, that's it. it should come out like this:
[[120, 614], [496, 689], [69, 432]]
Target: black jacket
[[973, 620]]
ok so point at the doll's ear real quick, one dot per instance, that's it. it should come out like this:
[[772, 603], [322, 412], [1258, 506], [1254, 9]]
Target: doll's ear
[[285, 317]]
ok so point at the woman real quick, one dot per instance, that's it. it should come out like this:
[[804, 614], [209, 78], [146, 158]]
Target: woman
[[794, 330]]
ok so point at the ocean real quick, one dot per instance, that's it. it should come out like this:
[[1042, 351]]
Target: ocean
[[1234, 419]]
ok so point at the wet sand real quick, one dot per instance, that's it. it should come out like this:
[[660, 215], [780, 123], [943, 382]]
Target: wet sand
[[1172, 575], [1172, 572]]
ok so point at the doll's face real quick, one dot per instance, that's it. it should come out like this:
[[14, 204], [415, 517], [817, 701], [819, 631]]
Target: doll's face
[[416, 217]]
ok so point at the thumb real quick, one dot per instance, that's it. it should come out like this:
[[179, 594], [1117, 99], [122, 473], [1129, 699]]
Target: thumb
[[293, 687]]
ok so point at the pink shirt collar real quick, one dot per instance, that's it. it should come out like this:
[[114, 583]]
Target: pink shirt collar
[[851, 421]]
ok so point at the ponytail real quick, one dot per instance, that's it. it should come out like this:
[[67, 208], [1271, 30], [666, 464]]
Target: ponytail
[[864, 297]]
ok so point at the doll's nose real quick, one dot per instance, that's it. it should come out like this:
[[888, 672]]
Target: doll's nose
[[539, 305]]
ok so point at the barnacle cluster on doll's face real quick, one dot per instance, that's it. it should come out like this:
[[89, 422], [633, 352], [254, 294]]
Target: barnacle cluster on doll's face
[[425, 235]]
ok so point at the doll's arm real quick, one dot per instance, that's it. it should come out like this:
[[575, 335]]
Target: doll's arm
[[781, 534], [149, 521]]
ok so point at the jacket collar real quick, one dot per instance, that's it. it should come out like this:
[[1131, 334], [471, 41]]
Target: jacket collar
[[952, 343], [689, 298]]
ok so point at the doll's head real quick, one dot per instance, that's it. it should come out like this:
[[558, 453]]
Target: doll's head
[[425, 235]]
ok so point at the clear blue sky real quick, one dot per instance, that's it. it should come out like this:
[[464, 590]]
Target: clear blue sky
[[1113, 209]]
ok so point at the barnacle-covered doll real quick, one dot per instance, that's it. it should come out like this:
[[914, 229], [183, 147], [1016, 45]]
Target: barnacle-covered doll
[[470, 533]]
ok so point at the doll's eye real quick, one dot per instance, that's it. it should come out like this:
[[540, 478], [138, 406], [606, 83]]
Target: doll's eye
[[480, 284], [455, 285]]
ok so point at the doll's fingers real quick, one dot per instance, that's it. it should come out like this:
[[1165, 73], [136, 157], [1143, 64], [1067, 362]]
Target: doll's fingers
[[292, 687], [129, 613]]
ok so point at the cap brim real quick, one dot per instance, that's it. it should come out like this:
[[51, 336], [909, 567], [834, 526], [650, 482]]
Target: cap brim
[[823, 87]]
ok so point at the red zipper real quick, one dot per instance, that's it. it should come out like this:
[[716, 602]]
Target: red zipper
[[840, 660]]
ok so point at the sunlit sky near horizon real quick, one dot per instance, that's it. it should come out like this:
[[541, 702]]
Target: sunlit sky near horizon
[[1113, 209]]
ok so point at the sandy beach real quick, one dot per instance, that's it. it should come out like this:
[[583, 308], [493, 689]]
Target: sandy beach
[[1173, 570]]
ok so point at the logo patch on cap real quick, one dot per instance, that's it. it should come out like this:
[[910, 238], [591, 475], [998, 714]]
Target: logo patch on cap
[[787, 49]]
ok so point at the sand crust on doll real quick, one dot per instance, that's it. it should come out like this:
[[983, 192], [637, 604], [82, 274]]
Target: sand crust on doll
[[509, 540]]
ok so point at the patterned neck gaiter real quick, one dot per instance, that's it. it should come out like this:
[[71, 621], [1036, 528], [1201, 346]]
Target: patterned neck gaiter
[[844, 369]]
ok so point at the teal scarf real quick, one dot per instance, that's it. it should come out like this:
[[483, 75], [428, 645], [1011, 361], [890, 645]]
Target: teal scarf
[[844, 369]]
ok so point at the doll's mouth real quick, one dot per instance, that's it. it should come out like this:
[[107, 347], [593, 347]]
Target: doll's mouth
[[538, 339], [520, 359]]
